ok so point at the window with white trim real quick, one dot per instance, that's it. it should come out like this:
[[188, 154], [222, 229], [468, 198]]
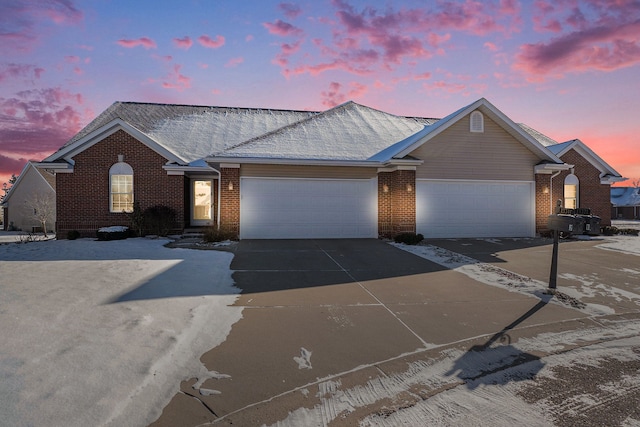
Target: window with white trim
[[571, 186], [476, 122], [121, 187]]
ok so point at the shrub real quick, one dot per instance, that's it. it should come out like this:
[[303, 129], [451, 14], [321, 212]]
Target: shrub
[[159, 219], [409, 238], [137, 220], [113, 233], [215, 234], [73, 234], [609, 230]]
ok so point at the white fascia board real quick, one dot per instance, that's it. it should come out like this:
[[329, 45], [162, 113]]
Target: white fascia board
[[488, 109], [529, 141], [101, 133], [592, 157], [299, 162], [183, 170], [608, 179], [549, 168], [56, 166]]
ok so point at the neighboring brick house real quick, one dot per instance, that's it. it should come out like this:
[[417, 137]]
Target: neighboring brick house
[[625, 202], [348, 172]]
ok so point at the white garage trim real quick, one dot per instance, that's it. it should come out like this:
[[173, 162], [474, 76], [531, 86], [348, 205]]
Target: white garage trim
[[460, 208], [299, 208]]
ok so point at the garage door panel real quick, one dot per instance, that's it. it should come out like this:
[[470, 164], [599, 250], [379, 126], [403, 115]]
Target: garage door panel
[[307, 208], [474, 209]]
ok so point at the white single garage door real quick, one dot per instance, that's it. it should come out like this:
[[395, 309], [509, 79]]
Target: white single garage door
[[281, 208], [475, 209]]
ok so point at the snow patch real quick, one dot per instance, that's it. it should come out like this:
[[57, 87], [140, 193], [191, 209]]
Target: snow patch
[[304, 360]]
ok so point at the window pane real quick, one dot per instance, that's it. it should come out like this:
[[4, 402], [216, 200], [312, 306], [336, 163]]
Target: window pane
[[121, 193]]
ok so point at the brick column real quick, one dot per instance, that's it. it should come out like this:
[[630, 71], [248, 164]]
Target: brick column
[[230, 199], [403, 201], [543, 200], [385, 228]]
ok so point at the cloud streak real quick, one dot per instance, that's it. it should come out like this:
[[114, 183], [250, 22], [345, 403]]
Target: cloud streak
[[597, 38], [210, 43], [37, 122], [144, 42], [369, 40]]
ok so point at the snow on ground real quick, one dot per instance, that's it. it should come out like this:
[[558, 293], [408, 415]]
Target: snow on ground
[[495, 276], [102, 333]]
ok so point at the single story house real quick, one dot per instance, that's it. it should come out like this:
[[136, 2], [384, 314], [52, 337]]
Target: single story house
[[347, 172], [625, 202], [31, 198]]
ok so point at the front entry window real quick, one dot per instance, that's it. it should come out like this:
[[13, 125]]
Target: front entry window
[[571, 192], [202, 206]]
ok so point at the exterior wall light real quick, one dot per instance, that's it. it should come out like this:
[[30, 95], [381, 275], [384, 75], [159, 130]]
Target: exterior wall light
[[385, 188], [545, 190], [230, 186], [409, 188]]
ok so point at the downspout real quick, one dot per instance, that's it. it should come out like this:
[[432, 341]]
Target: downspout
[[219, 199], [552, 203]]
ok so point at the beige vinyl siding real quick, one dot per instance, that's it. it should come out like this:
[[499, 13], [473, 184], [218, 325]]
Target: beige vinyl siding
[[457, 153], [294, 171]]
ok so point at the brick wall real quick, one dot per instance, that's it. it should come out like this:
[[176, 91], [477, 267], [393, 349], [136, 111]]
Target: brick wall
[[543, 200], [82, 201], [403, 199], [592, 194], [230, 200], [385, 227]]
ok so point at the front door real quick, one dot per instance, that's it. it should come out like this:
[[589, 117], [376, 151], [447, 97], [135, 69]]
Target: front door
[[202, 202]]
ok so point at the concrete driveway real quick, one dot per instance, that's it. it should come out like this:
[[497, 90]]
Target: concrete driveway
[[340, 313]]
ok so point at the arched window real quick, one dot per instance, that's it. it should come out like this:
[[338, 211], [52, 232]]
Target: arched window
[[571, 187], [476, 122], [121, 187]]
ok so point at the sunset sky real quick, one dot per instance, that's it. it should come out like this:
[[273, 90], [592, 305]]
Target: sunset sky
[[569, 69]]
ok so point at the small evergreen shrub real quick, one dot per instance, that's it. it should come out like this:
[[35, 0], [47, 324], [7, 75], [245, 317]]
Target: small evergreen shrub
[[159, 219], [215, 234], [73, 234], [409, 238]]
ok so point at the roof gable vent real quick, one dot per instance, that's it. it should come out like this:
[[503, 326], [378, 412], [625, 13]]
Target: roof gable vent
[[476, 122]]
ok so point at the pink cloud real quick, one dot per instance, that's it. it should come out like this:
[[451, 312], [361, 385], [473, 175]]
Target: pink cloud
[[290, 10], [368, 40], [234, 62], [281, 28], [208, 42], [145, 42], [164, 58], [20, 71], [602, 48], [37, 122], [336, 93], [248, 38], [72, 59], [22, 22], [176, 80], [183, 43], [491, 46]]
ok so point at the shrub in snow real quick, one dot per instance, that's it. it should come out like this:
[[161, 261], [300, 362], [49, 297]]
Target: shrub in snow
[[215, 234], [409, 238], [159, 219], [73, 234], [117, 232]]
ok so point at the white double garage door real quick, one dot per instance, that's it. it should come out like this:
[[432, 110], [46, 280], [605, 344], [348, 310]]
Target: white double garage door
[[296, 208]]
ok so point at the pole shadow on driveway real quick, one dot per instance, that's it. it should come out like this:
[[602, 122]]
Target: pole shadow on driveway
[[492, 365]]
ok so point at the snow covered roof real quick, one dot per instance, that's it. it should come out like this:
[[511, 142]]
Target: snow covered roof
[[347, 132], [538, 136], [625, 196], [193, 132]]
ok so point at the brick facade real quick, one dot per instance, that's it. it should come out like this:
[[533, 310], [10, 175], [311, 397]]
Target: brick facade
[[543, 200], [591, 193], [230, 200], [83, 196], [396, 202]]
